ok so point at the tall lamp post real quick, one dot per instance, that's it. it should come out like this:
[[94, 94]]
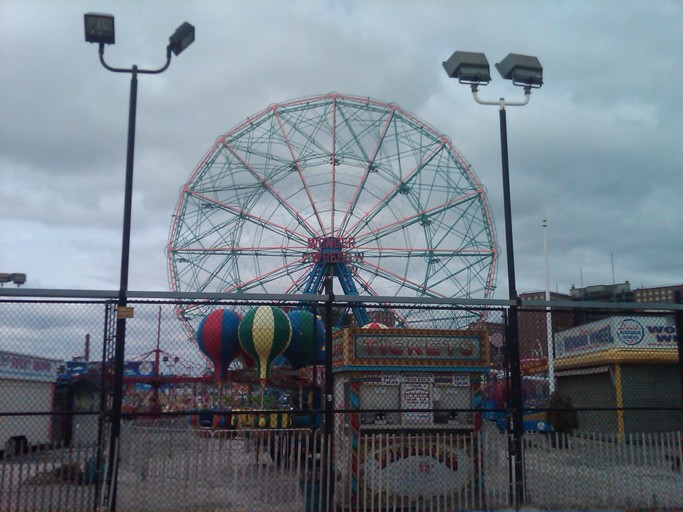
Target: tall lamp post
[[99, 28], [525, 71], [548, 315]]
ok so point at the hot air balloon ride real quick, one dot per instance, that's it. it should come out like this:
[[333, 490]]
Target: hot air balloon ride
[[218, 339], [308, 334], [264, 333]]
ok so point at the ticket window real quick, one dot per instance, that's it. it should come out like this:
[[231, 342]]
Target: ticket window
[[383, 397], [452, 397]]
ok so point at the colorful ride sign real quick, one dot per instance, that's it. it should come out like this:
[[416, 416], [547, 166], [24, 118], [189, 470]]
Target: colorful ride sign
[[403, 348]]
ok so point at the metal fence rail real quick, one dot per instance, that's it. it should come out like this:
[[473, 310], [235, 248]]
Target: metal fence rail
[[58, 478], [168, 466], [605, 435]]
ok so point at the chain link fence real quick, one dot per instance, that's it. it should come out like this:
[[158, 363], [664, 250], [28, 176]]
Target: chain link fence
[[289, 405]]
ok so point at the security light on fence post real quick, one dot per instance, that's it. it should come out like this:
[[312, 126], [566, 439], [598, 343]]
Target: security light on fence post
[[18, 278]]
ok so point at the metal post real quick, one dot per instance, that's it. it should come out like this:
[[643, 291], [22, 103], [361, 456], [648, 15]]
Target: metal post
[[678, 315], [512, 325], [182, 38], [328, 354], [328, 468], [120, 345], [550, 345], [99, 476]]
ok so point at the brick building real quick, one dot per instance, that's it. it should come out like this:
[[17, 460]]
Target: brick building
[[533, 322], [660, 294]]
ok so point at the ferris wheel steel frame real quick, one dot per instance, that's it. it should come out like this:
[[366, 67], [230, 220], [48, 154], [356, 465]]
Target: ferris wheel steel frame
[[301, 173]]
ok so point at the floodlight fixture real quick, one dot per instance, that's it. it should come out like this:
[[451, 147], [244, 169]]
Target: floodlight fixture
[[99, 28], [523, 70], [469, 68], [181, 38], [17, 278]]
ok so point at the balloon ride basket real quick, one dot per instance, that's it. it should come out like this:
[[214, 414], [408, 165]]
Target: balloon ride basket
[[243, 406]]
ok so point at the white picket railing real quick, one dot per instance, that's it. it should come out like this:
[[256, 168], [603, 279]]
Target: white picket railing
[[233, 470], [603, 470]]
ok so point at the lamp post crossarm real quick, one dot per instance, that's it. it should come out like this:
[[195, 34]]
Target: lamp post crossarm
[[501, 102], [135, 69]]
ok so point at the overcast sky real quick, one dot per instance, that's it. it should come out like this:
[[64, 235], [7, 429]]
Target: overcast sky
[[598, 151]]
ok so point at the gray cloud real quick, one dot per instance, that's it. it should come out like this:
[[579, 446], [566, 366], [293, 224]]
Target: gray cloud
[[596, 151]]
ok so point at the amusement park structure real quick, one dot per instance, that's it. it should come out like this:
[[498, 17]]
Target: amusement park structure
[[335, 185], [328, 191]]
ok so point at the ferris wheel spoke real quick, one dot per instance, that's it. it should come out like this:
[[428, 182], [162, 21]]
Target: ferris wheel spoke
[[193, 261], [442, 274], [423, 217], [282, 201], [333, 162], [318, 130], [367, 287], [259, 279], [296, 163], [401, 280], [299, 284], [474, 230], [244, 214], [441, 270], [309, 149], [297, 260], [425, 252], [255, 251], [367, 169], [375, 209], [213, 232], [309, 138]]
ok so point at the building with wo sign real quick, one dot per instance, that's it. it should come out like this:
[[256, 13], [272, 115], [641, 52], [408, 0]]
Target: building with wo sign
[[621, 362]]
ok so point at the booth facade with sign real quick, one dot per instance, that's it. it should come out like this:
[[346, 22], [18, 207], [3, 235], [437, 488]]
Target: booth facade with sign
[[406, 383], [622, 362], [27, 383]]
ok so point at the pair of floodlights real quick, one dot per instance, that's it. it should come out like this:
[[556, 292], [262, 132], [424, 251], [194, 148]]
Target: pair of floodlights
[[473, 68], [99, 28], [15, 277]]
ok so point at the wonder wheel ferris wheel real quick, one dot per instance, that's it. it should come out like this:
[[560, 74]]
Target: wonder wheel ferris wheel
[[335, 184]]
